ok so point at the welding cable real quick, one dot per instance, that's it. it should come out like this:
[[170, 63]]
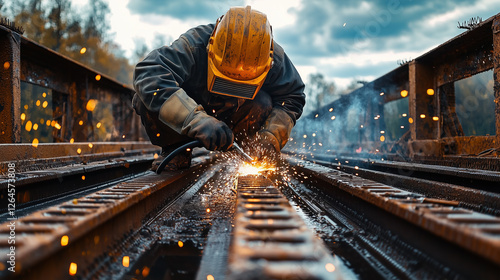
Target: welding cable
[[166, 160]]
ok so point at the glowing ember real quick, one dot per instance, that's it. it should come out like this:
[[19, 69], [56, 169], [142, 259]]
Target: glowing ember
[[330, 267], [91, 104], [64, 240], [72, 268], [28, 126], [254, 169], [126, 261], [34, 143], [145, 271]]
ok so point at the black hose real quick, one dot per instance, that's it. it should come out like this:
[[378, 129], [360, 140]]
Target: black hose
[[165, 161]]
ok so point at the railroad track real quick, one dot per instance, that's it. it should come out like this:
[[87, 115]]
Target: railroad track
[[304, 221]]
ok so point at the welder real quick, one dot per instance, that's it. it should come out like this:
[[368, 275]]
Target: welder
[[219, 83]]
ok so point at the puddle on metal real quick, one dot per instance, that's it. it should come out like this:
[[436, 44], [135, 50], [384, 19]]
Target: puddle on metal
[[168, 261]]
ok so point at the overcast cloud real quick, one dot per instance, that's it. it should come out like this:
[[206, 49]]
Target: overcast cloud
[[344, 40]]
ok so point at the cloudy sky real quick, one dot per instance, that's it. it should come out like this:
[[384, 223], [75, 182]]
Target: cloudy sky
[[343, 40]]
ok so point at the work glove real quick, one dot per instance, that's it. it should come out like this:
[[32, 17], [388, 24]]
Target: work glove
[[214, 134], [181, 113], [274, 135]]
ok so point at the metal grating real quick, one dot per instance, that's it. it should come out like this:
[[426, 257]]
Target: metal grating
[[234, 89], [271, 241]]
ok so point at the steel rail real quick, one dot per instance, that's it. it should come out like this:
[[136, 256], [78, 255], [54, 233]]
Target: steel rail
[[272, 242], [473, 231], [473, 189], [80, 230]]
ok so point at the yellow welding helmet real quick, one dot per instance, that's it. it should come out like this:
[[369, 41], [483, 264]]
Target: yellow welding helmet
[[240, 53]]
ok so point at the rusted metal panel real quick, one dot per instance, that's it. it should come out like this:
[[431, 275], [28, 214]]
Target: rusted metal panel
[[464, 66], [10, 89], [471, 145], [80, 84], [72, 85], [427, 148], [496, 74]]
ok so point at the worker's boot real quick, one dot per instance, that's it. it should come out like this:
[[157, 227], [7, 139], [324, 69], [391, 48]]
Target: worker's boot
[[181, 161]]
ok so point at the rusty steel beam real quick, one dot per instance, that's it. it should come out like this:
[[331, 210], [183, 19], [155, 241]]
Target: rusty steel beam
[[463, 56], [422, 107], [10, 89], [496, 74], [24, 61], [78, 84]]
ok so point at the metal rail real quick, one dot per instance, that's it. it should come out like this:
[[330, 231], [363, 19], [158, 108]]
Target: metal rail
[[129, 228], [82, 229], [471, 230], [272, 242], [474, 189]]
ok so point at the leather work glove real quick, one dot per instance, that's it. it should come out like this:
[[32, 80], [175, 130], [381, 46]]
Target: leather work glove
[[181, 113], [273, 136], [214, 134]]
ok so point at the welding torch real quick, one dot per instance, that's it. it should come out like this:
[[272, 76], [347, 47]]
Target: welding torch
[[194, 144]]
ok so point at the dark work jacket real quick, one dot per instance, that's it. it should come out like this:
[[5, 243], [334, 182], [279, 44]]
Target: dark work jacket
[[184, 64]]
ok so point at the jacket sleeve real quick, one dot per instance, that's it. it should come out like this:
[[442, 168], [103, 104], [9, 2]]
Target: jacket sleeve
[[163, 72], [285, 86]]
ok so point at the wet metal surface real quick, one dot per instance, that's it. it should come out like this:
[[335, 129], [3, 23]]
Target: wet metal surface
[[272, 242], [85, 223], [473, 231], [195, 227]]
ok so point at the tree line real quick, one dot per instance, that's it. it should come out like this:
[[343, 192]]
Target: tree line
[[83, 37]]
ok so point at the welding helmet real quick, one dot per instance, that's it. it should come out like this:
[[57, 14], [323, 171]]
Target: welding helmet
[[240, 53]]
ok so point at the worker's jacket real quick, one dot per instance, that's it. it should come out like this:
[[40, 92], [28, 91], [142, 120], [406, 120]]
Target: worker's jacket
[[184, 64]]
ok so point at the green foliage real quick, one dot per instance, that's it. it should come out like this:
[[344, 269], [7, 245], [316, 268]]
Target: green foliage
[[319, 92], [475, 104], [396, 119]]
